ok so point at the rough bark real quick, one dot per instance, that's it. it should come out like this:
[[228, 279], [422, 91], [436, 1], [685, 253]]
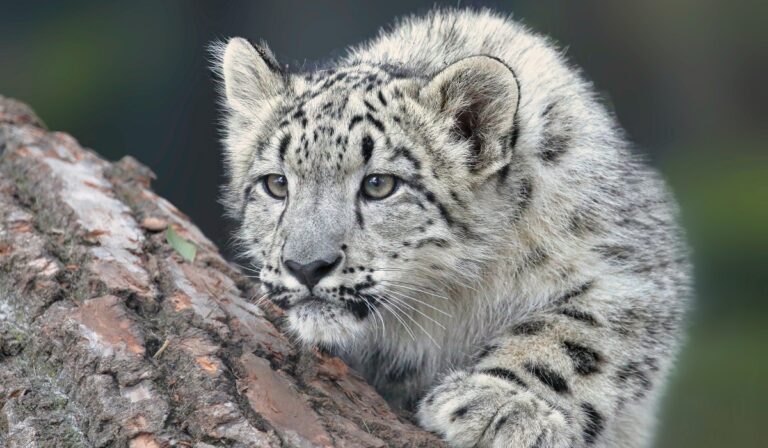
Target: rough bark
[[108, 337]]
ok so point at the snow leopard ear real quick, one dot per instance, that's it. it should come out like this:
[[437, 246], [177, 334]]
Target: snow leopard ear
[[479, 95], [251, 75]]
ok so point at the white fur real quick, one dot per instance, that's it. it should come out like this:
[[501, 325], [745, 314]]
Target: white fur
[[521, 205]]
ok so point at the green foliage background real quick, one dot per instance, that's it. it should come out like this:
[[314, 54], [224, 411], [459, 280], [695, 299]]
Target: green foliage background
[[686, 78]]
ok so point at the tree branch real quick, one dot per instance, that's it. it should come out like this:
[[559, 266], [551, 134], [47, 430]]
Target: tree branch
[[108, 337]]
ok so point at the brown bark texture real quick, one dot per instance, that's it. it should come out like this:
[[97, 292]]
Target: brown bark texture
[[109, 337]]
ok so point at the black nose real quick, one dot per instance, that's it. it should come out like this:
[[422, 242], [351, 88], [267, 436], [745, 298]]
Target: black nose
[[311, 273]]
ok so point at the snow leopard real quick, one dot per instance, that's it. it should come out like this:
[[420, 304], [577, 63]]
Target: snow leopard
[[452, 210]]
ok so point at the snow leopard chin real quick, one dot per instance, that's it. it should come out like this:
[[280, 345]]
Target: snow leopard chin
[[317, 323]]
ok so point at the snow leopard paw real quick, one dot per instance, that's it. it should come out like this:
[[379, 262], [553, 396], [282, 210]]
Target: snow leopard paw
[[476, 409]]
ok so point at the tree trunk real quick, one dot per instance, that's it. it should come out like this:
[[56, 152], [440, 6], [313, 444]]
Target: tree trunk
[[110, 337]]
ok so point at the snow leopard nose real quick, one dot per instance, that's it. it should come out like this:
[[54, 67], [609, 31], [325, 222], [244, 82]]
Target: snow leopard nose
[[311, 273]]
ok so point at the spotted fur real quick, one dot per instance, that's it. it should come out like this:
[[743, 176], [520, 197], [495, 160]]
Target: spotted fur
[[524, 285]]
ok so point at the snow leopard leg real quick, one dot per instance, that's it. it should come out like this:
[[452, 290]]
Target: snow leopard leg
[[563, 378]]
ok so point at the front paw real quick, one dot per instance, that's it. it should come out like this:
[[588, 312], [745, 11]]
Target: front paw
[[482, 410]]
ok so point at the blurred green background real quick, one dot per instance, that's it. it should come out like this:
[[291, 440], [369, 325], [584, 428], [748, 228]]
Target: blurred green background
[[687, 79]]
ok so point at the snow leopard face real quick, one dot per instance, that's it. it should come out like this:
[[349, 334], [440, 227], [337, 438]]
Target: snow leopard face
[[359, 189]]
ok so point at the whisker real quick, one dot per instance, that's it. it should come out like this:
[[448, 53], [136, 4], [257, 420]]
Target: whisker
[[422, 302], [261, 299], [376, 313], [400, 299], [247, 268], [412, 288], [370, 310], [446, 286], [394, 313], [394, 304]]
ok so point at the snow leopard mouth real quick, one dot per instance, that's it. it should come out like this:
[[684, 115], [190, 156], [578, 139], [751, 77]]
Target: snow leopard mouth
[[353, 299], [359, 305]]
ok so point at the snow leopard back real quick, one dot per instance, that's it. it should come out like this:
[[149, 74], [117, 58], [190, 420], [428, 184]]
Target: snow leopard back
[[588, 191]]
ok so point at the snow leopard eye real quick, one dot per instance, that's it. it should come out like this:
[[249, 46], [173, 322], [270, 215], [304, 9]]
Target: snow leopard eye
[[379, 186], [276, 185]]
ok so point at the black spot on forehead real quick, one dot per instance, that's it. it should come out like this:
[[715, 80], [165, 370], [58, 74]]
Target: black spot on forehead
[[367, 148], [284, 142], [325, 117], [369, 106], [382, 100], [353, 77]]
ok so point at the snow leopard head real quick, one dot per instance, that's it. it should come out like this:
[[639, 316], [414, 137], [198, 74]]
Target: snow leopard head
[[365, 193]]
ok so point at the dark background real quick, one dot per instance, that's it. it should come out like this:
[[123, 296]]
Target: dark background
[[685, 77]]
